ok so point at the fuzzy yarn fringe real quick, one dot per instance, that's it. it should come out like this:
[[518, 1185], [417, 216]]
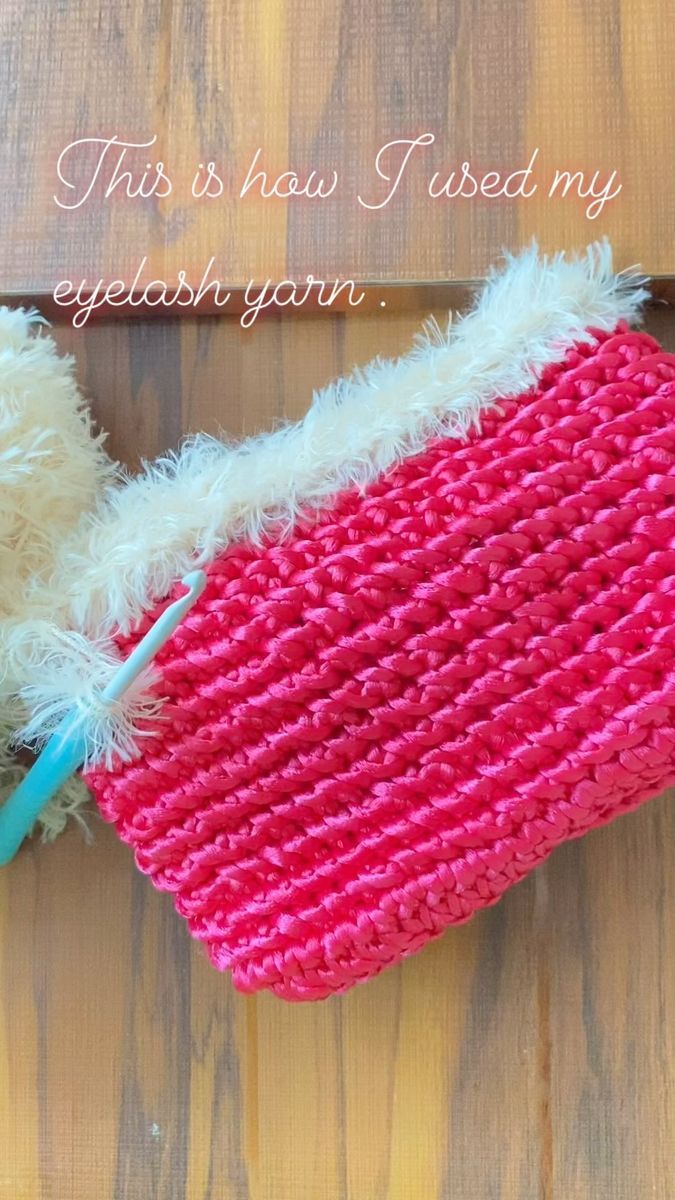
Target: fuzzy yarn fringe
[[52, 468], [187, 507]]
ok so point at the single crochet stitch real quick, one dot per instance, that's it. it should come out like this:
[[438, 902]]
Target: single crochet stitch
[[376, 724]]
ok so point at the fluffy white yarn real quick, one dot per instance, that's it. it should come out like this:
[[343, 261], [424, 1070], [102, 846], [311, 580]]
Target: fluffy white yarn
[[51, 470], [185, 508]]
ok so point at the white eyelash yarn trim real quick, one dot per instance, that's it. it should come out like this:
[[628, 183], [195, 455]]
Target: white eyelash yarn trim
[[184, 509], [69, 672], [52, 468]]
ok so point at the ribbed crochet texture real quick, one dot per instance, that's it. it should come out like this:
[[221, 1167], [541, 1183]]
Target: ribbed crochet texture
[[376, 727]]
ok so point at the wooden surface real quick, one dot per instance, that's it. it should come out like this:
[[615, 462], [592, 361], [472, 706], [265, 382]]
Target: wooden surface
[[322, 85], [526, 1056]]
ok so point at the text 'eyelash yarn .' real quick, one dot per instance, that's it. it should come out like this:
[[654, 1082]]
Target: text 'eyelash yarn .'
[[376, 726]]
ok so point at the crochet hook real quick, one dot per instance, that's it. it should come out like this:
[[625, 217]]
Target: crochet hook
[[66, 749]]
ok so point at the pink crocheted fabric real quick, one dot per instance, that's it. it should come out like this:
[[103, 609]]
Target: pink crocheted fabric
[[376, 726]]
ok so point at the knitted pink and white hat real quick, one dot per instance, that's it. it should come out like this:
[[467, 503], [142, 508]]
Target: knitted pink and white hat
[[437, 637]]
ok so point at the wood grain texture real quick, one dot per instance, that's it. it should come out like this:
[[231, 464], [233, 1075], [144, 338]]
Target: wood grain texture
[[525, 1056], [323, 84]]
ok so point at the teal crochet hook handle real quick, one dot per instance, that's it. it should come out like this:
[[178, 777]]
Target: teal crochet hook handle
[[66, 749], [62, 755]]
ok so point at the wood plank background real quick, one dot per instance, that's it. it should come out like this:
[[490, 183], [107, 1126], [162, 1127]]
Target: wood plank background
[[526, 1056], [322, 84]]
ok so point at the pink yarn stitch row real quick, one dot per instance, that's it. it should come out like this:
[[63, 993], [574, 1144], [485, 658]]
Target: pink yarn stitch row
[[376, 727]]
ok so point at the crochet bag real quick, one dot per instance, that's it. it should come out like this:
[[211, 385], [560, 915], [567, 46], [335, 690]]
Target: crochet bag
[[436, 638]]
